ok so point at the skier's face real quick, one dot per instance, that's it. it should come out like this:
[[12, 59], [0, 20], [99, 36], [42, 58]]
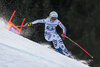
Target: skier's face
[[53, 19]]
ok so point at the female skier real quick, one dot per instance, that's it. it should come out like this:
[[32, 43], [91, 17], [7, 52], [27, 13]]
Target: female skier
[[50, 32]]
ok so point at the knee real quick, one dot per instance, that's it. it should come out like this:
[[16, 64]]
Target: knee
[[48, 37]]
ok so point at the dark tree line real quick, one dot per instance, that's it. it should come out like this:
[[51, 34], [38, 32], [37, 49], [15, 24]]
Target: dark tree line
[[81, 18]]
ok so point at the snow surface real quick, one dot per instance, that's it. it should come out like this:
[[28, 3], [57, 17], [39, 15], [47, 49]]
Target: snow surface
[[17, 51]]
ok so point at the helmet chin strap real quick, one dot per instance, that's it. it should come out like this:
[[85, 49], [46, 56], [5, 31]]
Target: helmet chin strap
[[52, 20]]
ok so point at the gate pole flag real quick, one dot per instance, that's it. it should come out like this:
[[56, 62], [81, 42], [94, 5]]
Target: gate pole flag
[[12, 27]]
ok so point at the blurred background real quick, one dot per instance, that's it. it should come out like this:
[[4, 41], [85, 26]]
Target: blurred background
[[81, 18]]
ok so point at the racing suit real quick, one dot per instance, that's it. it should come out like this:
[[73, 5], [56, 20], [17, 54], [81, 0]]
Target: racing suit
[[51, 34]]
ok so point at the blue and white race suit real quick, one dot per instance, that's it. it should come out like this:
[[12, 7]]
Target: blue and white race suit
[[51, 34]]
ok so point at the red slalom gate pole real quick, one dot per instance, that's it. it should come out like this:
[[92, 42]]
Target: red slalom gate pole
[[21, 26], [79, 46], [12, 15]]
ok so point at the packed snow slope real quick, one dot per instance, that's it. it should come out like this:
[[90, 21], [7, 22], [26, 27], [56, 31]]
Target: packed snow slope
[[17, 51]]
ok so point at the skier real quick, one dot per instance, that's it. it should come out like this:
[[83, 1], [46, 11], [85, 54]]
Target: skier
[[50, 32]]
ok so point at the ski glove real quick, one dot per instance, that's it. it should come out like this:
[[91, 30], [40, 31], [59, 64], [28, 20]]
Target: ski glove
[[63, 35], [28, 24]]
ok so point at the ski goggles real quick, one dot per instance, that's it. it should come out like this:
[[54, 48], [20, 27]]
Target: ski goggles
[[53, 18]]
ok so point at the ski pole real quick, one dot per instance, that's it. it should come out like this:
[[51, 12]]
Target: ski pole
[[78, 46], [26, 25], [23, 25]]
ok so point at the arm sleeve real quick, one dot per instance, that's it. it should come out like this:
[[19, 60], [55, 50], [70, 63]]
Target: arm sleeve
[[63, 27], [38, 21]]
